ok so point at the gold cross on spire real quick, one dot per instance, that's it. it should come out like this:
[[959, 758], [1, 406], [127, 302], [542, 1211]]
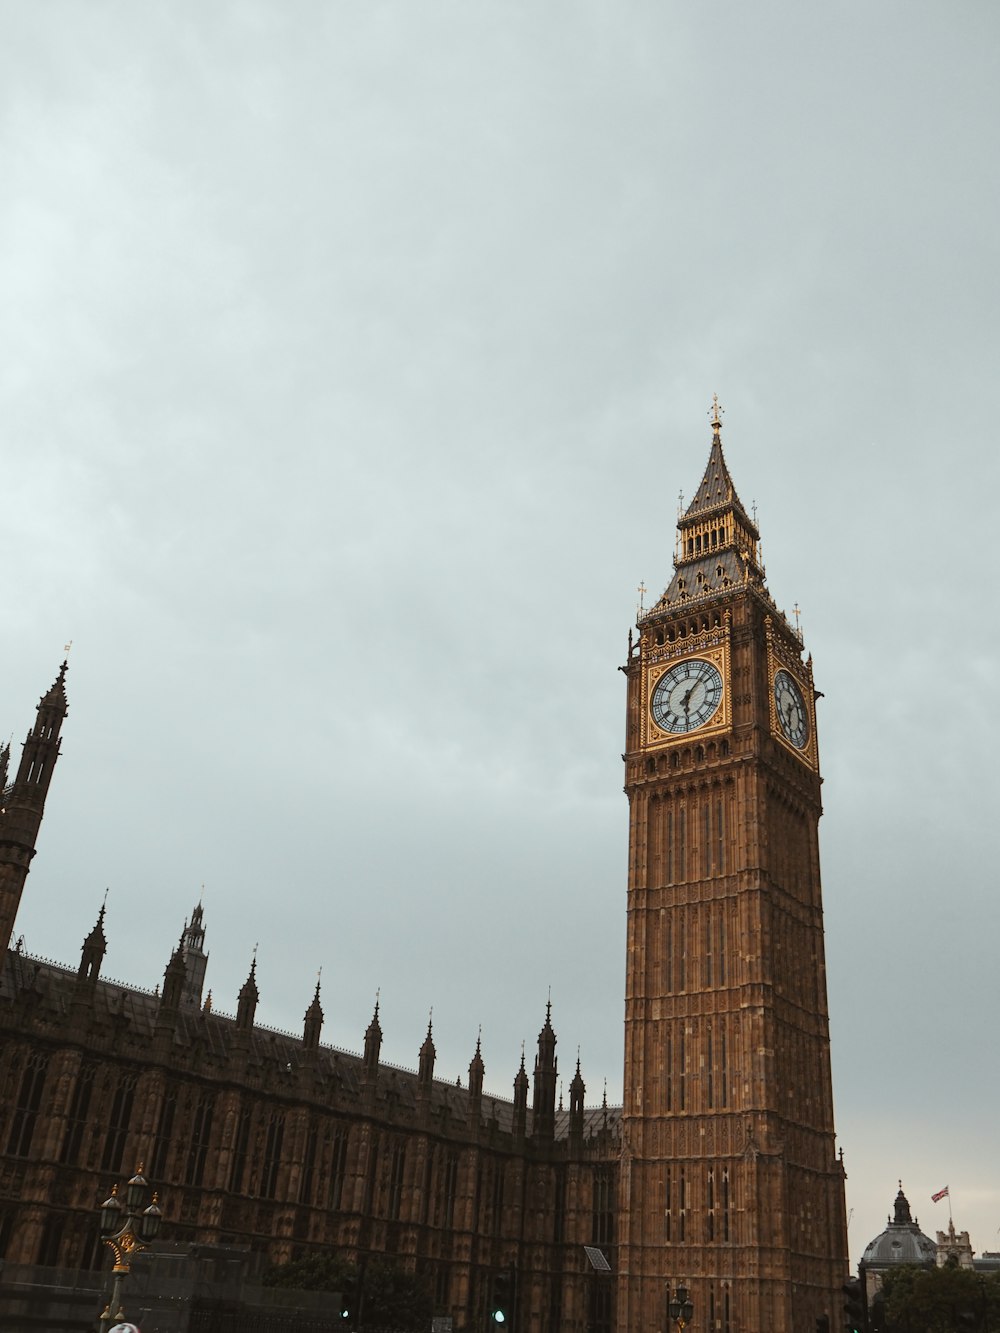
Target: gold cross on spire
[[715, 412]]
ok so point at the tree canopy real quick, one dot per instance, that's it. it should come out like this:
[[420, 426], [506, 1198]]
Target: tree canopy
[[936, 1300]]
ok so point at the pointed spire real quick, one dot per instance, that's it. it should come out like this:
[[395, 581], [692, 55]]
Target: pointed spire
[[173, 979], [373, 1040], [577, 1092], [313, 1022], [717, 540], [546, 1069], [95, 946], [425, 1067], [249, 995], [477, 1071]]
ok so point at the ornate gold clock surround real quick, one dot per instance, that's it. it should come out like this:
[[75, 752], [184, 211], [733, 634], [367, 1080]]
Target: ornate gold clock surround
[[781, 656], [710, 645]]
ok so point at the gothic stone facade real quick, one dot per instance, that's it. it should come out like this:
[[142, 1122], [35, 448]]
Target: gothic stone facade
[[721, 1168]]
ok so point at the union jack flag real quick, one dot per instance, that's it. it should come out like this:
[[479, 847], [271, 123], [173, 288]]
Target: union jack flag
[[941, 1194]]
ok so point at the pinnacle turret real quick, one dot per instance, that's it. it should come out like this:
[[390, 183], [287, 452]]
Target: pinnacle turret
[[477, 1072], [94, 948], [313, 1022], [546, 1069], [373, 1043], [425, 1067], [249, 995], [22, 801]]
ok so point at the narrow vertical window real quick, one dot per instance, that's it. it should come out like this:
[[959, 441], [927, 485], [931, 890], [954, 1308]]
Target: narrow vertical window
[[668, 953], [706, 841], [682, 844], [118, 1123], [397, 1169], [450, 1189], [710, 1083], [240, 1149], [201, 1130], [29, 1097], [559, 1221], [308, 1167], [723, 971], [272, 1156], [707, 968], [720, 840], [338, 1168], [669, 820], [73, 1142], [164, 1129], [497, 1209]]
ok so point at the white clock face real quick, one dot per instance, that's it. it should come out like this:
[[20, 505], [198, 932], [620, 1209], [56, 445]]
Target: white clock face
[[686, 696], [791, 708]]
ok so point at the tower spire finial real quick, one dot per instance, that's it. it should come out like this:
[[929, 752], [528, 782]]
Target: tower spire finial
[[715, 412]]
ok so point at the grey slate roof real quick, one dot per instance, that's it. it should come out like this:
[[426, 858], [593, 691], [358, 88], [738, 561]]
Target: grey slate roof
[[716, 490]]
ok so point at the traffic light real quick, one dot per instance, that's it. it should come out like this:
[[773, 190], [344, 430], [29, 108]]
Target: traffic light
[[502, 1299], [855, 1320]]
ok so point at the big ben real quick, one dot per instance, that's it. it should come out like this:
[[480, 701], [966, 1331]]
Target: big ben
[[730, 1180]]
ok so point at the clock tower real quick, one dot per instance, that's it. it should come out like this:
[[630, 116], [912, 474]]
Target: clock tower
[[730, 1181]]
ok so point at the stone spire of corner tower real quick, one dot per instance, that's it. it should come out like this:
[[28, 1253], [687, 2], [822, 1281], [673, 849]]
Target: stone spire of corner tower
[[23, 802], [195, 958]]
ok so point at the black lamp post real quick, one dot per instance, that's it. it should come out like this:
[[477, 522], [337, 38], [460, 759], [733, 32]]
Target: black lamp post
[[127, 1229], [680, 1307]]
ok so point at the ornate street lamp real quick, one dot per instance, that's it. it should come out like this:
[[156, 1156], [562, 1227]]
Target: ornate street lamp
[[127, 1230], [680, 1307]]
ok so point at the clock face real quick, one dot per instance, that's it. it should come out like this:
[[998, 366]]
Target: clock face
[[686, 696], [791, 708]]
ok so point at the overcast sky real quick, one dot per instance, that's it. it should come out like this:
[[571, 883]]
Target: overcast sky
[[352, 358]]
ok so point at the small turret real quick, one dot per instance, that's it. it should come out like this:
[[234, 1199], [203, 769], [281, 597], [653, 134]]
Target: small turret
[[577, 1091], [95, 946], [477, 1071], [173, 986], [546, 1069], [195, 959], [425, 1066], [313, 1022], [520, 1099], [249, 995], [373, 1045]]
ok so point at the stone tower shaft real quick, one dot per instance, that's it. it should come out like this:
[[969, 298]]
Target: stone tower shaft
[[730, 1177]]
